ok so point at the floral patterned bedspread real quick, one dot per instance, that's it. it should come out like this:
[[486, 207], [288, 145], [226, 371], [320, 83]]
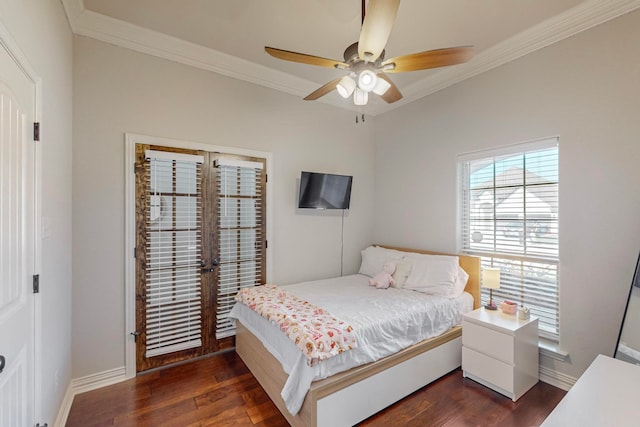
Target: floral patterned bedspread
[[315, 331]]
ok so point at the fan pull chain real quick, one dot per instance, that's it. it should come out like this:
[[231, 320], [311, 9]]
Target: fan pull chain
[[361, 119]]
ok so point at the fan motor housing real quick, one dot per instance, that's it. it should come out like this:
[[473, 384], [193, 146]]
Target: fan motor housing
[[351, 55]]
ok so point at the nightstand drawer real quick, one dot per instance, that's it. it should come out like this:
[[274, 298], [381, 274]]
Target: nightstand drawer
[[491, 370], [488, 341]]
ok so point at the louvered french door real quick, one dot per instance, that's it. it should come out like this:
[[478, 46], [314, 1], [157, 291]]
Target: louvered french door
[[200, 238], [240, 229]]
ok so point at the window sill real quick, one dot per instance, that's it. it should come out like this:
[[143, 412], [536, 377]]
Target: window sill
[[551, 349]]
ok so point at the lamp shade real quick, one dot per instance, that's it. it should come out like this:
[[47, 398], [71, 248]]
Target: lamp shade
[[491, 278]]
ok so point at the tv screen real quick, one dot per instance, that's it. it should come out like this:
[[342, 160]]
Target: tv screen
[[324, 191]]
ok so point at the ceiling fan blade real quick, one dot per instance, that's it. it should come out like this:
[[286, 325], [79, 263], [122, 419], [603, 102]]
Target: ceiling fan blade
[[323, 90], [376, 28], [429, 59], [392, 94], [304, 58]]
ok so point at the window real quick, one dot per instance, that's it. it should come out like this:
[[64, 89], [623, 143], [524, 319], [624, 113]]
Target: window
[[509, 217]]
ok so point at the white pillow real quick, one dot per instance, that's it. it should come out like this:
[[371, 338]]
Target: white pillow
[[374, 257], [433, 274], [403, 269], [418, 256], [461, 283]]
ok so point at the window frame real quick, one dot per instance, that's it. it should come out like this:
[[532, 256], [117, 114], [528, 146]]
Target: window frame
[[548, 309]]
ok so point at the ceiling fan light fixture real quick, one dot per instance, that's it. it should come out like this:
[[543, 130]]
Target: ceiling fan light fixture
[[381, 87], [346, 86], [360, 97], [364, 61], [367, 80]]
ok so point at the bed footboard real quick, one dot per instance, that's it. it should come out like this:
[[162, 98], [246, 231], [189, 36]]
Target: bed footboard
[[349, 397]]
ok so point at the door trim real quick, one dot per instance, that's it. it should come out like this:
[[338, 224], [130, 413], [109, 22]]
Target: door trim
[[11, 46], [131, 140]]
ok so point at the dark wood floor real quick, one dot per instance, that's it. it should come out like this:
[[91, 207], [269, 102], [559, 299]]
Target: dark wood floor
[[220, 391]]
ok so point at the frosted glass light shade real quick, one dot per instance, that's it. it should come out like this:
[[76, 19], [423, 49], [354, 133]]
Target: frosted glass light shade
[[346, 86], [360, 97], [381, 86], [367, 80]]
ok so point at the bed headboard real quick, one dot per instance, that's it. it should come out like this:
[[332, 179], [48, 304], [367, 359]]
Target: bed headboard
[[469, 263]]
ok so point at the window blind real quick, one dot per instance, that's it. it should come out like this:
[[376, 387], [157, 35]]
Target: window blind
[[173, 252], [240, 234], [509, 217]]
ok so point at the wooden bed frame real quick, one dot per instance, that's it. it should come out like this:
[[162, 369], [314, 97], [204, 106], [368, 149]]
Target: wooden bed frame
[[349, 397]]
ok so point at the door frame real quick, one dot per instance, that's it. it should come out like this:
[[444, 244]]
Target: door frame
[[7, 40], [131, 140]]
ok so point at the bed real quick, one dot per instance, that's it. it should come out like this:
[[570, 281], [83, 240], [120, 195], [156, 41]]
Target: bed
[[346, 397]]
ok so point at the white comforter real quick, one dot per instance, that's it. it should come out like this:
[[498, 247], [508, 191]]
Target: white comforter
[[385, 321]]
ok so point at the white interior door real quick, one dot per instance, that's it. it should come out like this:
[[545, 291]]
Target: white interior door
[[17, 250]]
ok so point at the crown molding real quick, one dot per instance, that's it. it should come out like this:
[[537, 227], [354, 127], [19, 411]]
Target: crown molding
[[575, 20], [87, 23], [73, 9]]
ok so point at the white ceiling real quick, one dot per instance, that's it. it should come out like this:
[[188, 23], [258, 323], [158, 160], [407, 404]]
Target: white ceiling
[[228, 37]]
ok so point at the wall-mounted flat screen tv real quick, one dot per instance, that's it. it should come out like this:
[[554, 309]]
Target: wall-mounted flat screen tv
[[324, 191]]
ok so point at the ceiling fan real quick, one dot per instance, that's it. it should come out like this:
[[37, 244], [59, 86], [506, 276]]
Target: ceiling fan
[[365, 62]]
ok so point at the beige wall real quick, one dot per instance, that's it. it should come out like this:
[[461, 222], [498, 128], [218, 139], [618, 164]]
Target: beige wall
[[585, 89], [116, 91], [42, 33]]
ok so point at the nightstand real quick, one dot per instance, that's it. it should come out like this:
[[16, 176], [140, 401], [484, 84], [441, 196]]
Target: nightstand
[[500, 351]]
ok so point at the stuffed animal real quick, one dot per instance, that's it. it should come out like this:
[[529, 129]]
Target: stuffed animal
[[383, 279]]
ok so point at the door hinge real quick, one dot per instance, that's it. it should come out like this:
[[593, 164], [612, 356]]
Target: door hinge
[[36, 283], [135, 335], [36, 131], [266, 244], [135, 252]]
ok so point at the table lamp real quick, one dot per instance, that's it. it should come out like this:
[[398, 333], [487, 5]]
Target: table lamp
[[491, 281]]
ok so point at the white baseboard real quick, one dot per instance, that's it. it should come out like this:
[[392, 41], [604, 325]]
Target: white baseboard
[[101, 379], [84, 384], [555, 378], [65, 407]]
